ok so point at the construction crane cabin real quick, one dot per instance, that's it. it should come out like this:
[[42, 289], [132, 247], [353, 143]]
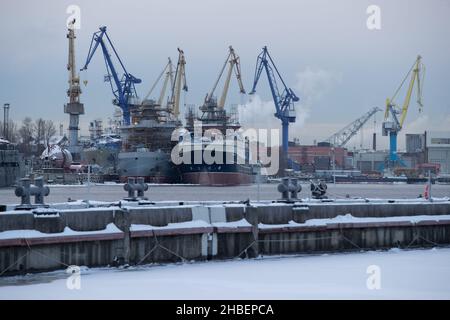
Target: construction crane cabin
[[394, 116], [284, 101]]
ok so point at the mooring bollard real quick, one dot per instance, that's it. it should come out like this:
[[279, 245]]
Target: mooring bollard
[[294, 188], [318, 190], [135, 185], [283, 188], [26, 190], [141, 187], [289, 189]]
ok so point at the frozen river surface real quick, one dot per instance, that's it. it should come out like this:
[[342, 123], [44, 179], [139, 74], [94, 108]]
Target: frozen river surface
[[394, 274], [201, 193]]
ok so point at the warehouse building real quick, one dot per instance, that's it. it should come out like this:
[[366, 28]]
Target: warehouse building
[[438, 149]]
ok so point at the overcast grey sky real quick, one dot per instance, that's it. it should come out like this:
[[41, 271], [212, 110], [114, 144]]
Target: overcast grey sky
[[338, 67]]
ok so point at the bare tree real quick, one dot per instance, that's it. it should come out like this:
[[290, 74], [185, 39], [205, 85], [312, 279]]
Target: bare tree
[[26, 132], [49, 131], [39, 126], [13, 134]]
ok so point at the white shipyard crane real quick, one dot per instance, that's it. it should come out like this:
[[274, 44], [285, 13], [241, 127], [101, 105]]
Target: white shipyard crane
[[340, 138]]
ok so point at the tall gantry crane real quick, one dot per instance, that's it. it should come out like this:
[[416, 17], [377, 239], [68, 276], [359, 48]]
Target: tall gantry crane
[[340, 138], [233, 63], [123, 88], [284, 101], [392, 123], [177, 81], [74, 107]]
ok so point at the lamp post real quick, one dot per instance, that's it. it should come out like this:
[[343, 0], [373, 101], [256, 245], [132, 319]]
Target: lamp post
[[6, 120], [334, 165]]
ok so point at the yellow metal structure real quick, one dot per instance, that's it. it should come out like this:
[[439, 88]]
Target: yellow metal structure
[[168, 71], [393, 109], [179, 84], [233, 64], [394, 116]]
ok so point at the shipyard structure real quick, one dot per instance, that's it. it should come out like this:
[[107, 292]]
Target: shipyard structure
[[141, 137]]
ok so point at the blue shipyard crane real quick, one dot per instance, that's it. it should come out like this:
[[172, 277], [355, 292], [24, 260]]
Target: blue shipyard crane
[[340, 138], [123, 88], [284, 100]]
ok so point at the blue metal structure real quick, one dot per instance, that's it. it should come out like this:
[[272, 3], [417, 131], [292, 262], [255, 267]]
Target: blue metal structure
[[284, 101], [123, 88]]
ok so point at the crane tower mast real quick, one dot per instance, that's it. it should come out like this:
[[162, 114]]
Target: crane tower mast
[[74, 108]]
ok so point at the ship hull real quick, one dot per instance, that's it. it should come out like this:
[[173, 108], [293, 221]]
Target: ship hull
[[153, 166]]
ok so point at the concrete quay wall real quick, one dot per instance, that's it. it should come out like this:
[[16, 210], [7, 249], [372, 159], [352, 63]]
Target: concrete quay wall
[[140, 234]]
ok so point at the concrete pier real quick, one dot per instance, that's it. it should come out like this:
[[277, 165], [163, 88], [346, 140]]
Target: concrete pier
[[102, 234]]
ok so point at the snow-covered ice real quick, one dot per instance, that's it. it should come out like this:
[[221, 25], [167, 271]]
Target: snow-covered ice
[[412, 274]]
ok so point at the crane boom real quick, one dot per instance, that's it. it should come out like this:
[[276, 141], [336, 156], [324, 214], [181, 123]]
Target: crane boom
[[168, 71], [169, 77], [284, 101], [123, 89], [340, 138], [178, 84]]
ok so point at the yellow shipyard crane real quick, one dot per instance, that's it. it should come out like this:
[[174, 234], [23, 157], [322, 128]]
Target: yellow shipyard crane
[[168, 72], [394, 116], [233, 63], [178, 84]]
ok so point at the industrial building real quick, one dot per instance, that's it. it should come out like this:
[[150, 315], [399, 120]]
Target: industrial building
[[370, 161], [11, 164], [438, 149], [320, 157]]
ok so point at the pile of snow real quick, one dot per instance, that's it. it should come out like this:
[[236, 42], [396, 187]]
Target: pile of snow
[[348, 218], [28, 234]]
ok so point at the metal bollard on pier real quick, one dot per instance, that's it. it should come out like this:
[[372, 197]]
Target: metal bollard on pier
[[26, 190], [289, 189], [135, 185]]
